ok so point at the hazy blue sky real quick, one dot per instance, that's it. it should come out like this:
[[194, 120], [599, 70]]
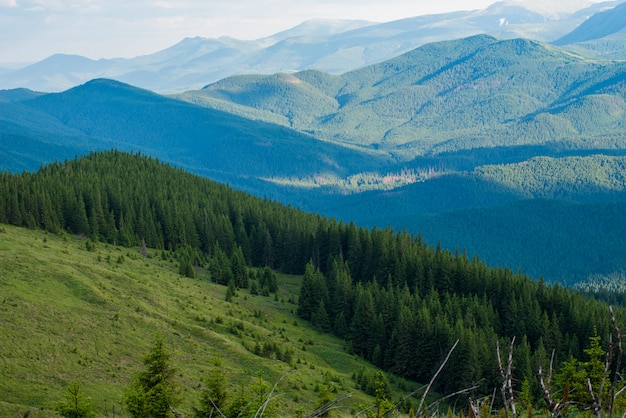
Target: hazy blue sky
[[31, 30]]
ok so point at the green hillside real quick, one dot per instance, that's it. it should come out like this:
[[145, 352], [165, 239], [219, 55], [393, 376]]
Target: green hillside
[[71, 314], [190, 246]]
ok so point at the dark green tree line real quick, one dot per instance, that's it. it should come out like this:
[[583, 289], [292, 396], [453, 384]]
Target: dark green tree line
[[408, 331]]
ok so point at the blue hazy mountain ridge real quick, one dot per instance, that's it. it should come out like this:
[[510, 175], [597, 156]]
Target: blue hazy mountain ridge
[[329, 46], [549, 102], [104, 114], [17, 95], [600, 25], [602, 35]]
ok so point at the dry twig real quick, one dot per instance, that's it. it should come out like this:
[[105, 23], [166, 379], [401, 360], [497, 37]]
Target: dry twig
[[419, 410], [328, 406]]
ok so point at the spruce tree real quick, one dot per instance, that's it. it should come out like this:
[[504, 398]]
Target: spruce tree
[[75, 405], [213, 397], [153, 391]]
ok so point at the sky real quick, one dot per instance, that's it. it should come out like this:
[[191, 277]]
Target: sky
[[31, 30]]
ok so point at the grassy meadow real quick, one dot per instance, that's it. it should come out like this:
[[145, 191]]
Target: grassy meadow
[[69, 314]]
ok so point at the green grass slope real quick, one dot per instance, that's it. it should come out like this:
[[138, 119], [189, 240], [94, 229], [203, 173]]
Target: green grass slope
[[68, 314]]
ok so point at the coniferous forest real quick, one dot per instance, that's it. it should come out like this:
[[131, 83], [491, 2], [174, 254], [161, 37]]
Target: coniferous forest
[[396, 300]]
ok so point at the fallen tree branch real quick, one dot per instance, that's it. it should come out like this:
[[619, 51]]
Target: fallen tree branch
[[328, 406], [430, 384]]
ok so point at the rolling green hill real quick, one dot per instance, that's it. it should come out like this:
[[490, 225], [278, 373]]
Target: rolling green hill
[[446, 96]]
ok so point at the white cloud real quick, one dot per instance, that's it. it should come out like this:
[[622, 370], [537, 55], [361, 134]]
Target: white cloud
[[8, 3], [168, 5], [544, 6]]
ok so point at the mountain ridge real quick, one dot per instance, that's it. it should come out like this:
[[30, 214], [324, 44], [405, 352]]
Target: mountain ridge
[[168, 127], [526, 91], [600, 25], [331, 47]]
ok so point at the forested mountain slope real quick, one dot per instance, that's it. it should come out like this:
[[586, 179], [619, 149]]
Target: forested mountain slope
[[453, 126], [370, 287], [105, 114], [560, 217], [601, 35], [446, 96]]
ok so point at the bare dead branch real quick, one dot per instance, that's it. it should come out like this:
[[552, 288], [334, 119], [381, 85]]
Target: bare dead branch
[[509, 374], [328, 406], [269, 396], [176, 414], [474, 411], [551, 368], [364, 410], [476, 405], [507, 380], [501, 370], [618, 361], [215, 408], [493, 400], [595, 405], [619, 392], [433, 406], [546, 392], [401, 401], [419, 409]]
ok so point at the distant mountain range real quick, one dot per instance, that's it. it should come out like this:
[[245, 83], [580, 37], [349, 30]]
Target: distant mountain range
[[600, 25], [330, 46], [511, 149], [477, 92], [603, 34]]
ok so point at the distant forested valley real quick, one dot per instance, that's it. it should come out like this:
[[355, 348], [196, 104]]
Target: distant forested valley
[[478, 143]]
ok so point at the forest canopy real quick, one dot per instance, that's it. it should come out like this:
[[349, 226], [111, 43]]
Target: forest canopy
[[388, 294]]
